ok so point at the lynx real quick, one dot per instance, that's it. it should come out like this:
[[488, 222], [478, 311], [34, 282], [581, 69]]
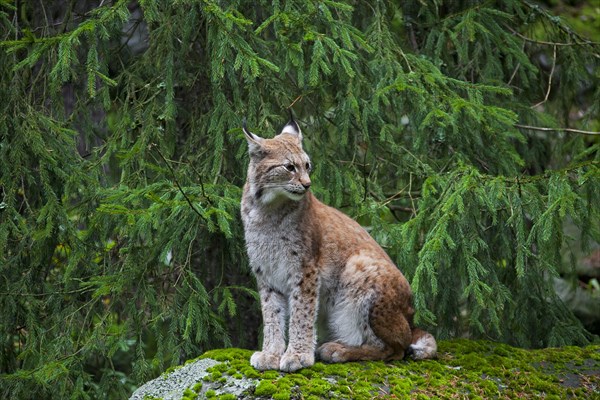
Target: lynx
[[313, 262]]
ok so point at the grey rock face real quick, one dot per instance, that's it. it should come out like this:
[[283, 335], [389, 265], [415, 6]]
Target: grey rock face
[[171, 386]]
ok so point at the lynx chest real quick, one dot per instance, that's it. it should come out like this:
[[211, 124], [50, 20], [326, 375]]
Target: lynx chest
[[275, 250]]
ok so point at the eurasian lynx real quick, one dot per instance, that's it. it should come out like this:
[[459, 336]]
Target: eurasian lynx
[[312, 259]]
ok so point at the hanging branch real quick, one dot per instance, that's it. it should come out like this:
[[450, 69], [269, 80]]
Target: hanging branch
[[539, 128], [201, 181], [530, 40], [153, 145]]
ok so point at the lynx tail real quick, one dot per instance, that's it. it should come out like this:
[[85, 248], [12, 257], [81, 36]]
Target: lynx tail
[[423, 345]]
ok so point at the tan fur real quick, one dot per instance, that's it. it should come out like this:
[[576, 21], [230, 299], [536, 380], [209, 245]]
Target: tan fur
[[309, 258]]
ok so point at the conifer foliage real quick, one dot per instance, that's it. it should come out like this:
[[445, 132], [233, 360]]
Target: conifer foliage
[[462, 134]]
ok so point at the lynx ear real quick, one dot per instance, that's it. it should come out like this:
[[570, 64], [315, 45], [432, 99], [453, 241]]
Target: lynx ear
[[254, 141], [292, 128]]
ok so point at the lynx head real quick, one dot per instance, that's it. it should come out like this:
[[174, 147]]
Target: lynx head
[[278, 167]]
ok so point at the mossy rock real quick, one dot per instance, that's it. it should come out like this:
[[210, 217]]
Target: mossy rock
[[463, 369]]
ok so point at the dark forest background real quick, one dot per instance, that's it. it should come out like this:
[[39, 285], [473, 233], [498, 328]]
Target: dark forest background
[[464, 135]]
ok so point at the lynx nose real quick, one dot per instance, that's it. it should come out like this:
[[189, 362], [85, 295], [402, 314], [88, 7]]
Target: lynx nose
[[306, 184]]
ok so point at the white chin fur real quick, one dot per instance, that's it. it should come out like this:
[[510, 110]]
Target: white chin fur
[[294, 196], [273, 194]]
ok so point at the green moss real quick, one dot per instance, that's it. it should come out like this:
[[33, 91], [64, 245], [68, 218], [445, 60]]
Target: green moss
[[270, 375], [218, 368], [250, 372], [464, 369], [319, 387], [197, 387], [281, 396], [318, 367], [228, 354], [265, 388], [189, 395]]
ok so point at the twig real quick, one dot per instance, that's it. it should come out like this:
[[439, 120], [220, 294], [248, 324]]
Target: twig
[[539, 128], [517, 67], [514, 32], [405, 60], [67, 17], [199, 175], [365, 180], [133, 28], [294, 102], [64, 292], [412, 201], [177, 182], [549, 80], [514, 74], [411, 210]]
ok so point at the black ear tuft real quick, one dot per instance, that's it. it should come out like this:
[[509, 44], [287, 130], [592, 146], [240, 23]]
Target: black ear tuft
[[245, 128], [292, 127], [254, 141]]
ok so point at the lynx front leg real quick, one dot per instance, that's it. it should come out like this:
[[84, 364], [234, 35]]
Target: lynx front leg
[[274, 309], [300, 352]]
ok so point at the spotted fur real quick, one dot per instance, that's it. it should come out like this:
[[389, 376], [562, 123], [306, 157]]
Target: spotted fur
[[312, 259]]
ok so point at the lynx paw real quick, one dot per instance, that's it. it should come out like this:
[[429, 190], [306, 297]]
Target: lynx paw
[[263, 361], [332, 352], [291, 362]]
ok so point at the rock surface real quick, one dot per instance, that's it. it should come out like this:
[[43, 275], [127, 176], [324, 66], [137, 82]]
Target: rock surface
[[170, 386], [464, 369]]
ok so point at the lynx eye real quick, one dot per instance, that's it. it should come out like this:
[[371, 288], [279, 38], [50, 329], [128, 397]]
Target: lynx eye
[[308, 166], [290, 167]]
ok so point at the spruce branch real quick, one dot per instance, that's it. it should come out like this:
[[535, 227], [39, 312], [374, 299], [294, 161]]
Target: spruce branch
[[544, 129], [546, 43], [43, 294], [201, 181], [153, 145], [448, 193]]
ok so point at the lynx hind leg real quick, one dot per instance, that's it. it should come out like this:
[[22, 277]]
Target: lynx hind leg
[[394, 338], [423, 345], [335, 352], [391, 326], [352, 338], [389, 338]]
